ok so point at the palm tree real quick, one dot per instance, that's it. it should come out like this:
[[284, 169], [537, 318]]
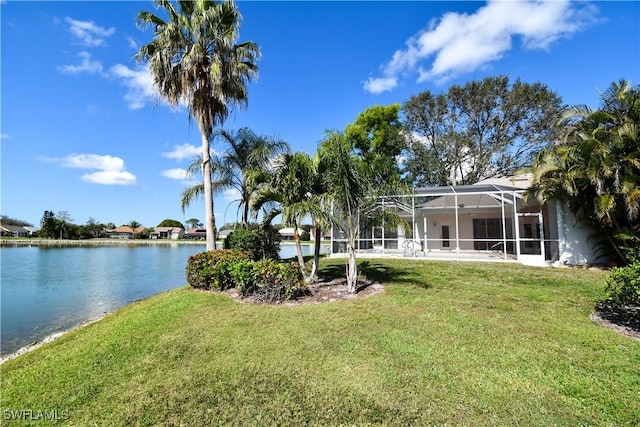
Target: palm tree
[[194, 59], [133, 224], [596, 167], [291, 194], [354, 199], [240, 167]]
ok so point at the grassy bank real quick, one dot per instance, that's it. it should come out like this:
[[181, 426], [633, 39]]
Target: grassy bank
[[455, 343]]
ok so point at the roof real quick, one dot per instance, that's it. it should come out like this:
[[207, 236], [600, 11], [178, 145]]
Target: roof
[[14, 228], [127, 229], [197, 231], [288, 231], [166, 229]]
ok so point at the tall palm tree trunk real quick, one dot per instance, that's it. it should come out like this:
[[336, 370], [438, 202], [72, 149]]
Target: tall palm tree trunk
[[210, 220], [316, 254], [352, 267], [296, 237]]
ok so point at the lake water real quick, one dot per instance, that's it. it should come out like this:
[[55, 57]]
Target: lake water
[[45, 290]]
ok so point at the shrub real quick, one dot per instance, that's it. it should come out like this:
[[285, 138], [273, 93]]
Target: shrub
[[246, 241], [622, 305], [270, 242], [305, 236], [268, 280], [623, 285], [212, 269]]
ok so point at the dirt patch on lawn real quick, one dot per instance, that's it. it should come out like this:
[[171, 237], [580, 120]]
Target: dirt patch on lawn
[[327, 289], [625, 320]]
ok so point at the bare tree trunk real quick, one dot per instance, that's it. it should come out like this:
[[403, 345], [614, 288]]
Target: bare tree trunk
[[316, 254], [352, 267], [210, 221], [296, 237]]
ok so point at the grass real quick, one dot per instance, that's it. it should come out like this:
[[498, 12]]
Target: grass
[[446, 343]]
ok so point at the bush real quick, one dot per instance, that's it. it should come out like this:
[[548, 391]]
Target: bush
[[268, 280], [270, 242], [623, 285], [212, 269], [246, 241], [622, 306], [305, 236]]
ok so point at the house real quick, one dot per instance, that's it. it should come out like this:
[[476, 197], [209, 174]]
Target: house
[[14, 231], [287, 233], [32, 230], [123, 232], [196, 233], [172, 233], [488, 220]]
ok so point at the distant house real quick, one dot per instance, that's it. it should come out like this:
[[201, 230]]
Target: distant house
[[287, 233], [14, 231], [32, 230], [196, 233], [173, 233], [222, 234], [123, 232]]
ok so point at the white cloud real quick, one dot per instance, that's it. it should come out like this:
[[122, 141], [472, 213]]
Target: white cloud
[[87, 65], [110, 169], [176, 173], [184, 151], [88, 33], [181, 175], [133, 43], [462, 43], [110, 178], [138, 81], [5, 136], [380, 84]]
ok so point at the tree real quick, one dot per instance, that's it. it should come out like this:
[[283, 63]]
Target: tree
[[194, 223], [595, 168], [290, 189], [63, 218], [477, 131], [194, 59], [376, 136], [7, 220], [171, 223], [354, 199], [93, 228], [240, 167], [134, 225], [48, 224]]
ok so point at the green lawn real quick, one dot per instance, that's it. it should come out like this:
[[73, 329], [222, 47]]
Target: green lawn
[[446, 343]]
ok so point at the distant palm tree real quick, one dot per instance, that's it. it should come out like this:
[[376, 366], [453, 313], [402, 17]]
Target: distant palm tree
[[134, 225], [194, 59], [241, 166]]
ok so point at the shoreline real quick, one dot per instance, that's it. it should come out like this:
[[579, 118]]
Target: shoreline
[[49, 338], [124, 242]]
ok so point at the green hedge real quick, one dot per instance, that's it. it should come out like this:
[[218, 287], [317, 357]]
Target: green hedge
[[266, 280], [211, 269]]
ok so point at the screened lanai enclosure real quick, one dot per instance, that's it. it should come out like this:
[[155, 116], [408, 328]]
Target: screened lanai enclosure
[[482, 221]]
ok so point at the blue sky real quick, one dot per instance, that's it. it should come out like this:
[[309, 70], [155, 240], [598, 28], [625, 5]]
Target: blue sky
[[81, 130]]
